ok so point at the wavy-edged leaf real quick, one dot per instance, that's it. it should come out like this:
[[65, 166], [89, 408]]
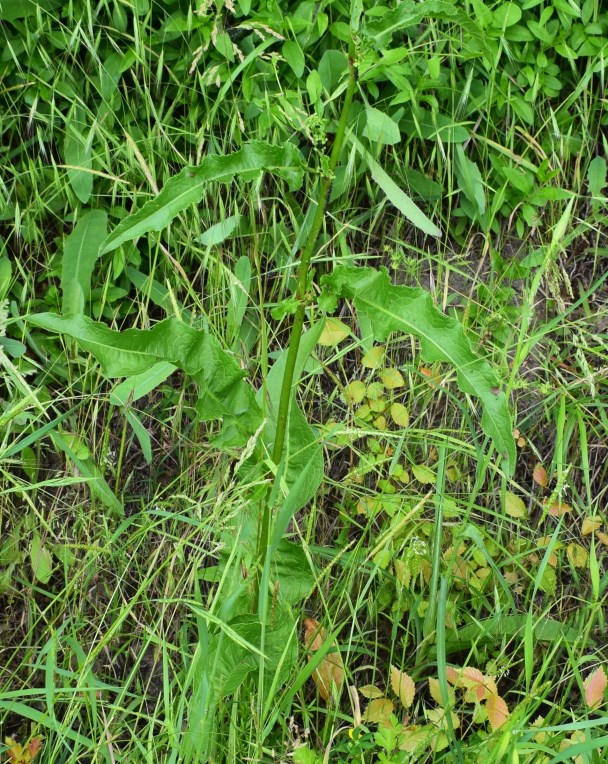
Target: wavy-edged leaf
[[442, 338], [223, 393], [188, 186], [80, 253]]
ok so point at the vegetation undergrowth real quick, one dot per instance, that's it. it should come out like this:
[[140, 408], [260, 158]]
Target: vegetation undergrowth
[[303, 428]]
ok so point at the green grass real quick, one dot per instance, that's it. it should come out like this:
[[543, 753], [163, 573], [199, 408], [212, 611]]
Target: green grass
[[104, 653]]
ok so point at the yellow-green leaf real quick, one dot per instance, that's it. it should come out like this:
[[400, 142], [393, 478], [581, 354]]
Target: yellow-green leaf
[[373, 358], [400, 414], [403, 686], [514, 505], [392, 379], [333, 333]]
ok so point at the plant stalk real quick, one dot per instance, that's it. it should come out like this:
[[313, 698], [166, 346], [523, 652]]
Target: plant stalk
[[302, 296]]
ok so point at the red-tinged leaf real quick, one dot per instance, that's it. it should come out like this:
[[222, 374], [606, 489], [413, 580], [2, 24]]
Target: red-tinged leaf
[[403, 686], [497, 710], [595, 686], [558, 508], [453, 675], [329, 675], [540, 476]]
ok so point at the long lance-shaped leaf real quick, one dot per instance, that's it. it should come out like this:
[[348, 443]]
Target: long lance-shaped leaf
[[223, 393], [442, 338], [188, 186], [80, 254]]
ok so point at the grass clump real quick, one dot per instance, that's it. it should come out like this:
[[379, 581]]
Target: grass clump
[[303, 336]]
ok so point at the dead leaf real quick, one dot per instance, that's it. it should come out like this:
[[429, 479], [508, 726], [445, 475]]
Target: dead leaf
[[591, 524], [329, 675], [540, 476], [434, 380], [577, 555], [22, 754], [558, 508], [595, 686], [403, 686], [498, 713]]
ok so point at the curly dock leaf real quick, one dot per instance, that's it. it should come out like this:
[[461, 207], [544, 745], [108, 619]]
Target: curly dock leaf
[[188, 186], [442, 338], [223, 393]]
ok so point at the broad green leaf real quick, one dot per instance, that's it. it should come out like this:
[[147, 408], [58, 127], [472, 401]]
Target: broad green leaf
[[394, 194], [506, 15], [223, 393], [188, 186], [380, 128], [292, 53], [442, 338], [228, 662], [596, 179], [41, 560], [470, 179], [77, 154], [80, 254], [10, 10]]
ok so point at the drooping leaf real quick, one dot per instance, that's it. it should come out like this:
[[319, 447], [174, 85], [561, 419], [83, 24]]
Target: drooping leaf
[[497, 711], [394, 194], [595, 687], [80, 254], [403, 686], [188, 186], [329, 675], [223, 393], [442, 338]]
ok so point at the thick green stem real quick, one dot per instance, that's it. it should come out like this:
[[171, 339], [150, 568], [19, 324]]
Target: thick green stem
[[301, 293]]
